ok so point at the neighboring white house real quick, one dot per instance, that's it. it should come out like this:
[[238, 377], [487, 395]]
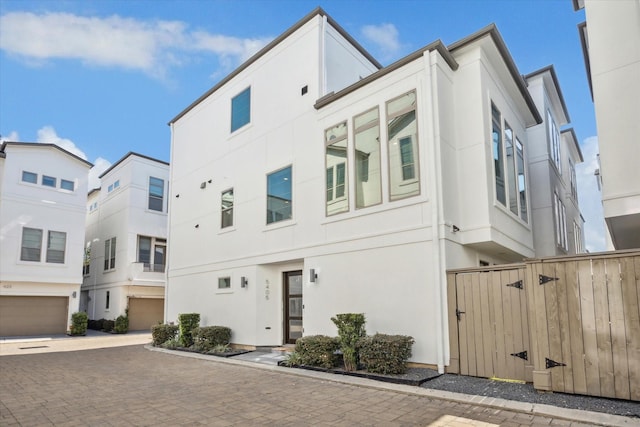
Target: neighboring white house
[[311, 181], [611, 46], [555, 211], [43, 194], [126, 242]]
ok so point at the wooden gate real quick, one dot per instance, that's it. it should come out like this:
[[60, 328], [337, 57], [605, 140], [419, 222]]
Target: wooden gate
[[488, 323], [585, 323]]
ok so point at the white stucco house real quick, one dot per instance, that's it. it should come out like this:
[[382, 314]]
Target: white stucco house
[[43, 194], [313, 181], [126, 242], [611, 46]]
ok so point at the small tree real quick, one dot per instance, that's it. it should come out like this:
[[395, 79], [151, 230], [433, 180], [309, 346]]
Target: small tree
[[79, 321], [350, 330], [188, 322]]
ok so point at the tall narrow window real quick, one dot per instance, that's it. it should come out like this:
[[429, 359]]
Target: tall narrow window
[[56, 243], [577, 237], [107, 302], [522, 184], [29, 177], [110, 254], [159, 255], [336, 166], [554, 141], [511, 168], [561, 221], [31, 244], [279, 195], [241, 109], [402, 132], [498, 159], [156, 193], [86, 262], [151, 253], [572, 180], [367, 157], [144, 251], [226, 209]]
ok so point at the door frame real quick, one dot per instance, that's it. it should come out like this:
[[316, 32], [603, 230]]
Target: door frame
[[285, 304]]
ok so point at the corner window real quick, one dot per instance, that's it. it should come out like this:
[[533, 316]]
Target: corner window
[[151, 253], [554, 142], [498, 159], [110, 254], [56, 243], [402, 133], [156, 194], [31, 244], [224, 282], [226, 209], [511, 168], [279, 197], [336, 166], [241, 109], [30, 177], [67, 185], [367, 159], [49, 181]]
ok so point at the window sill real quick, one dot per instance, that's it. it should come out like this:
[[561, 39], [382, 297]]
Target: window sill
[[228, 229], [224, 291], [280, 224]]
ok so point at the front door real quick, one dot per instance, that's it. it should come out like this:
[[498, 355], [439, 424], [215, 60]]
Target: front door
[[292, 306]]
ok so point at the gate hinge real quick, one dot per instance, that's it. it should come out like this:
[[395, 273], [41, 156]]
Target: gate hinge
[[544, 279], [521, 355], [517, 284], [458, 313], [552, 363]]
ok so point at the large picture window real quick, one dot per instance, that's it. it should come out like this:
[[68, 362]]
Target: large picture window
[[241, 109], [156, 194], [367, 158], [402, 131], [56, 243], [151, 253], [336, 166], [226, 209], [31, 244], [279, 195]]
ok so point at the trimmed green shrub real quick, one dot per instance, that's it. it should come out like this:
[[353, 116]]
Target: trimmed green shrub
[[163, 333], [385, 354], [350, 331], [171, 344], [79, 321], [188, 322], [108, 325], [316, 350], [206, 338], [122, 325]]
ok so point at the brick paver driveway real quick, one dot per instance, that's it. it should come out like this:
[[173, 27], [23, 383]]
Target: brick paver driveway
[[134, 386]]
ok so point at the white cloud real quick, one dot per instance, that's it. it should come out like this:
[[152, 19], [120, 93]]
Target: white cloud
[[590, 197], [13, 136], [48, 135], [147, 46], [99, 166], [385, 37]]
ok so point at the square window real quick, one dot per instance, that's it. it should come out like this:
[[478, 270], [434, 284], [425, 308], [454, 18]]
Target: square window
[[29, 177], [241, 109], [67, 185], [49, 181], [279, 197], [224, 282]]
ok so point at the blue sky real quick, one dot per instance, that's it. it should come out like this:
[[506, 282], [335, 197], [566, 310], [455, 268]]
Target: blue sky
[[102, 78]]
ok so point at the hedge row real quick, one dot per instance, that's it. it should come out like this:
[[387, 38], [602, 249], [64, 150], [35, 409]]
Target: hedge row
[[206, 338], [317, 350], [163, 333]]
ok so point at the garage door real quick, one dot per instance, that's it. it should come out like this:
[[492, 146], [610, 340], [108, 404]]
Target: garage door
[[21, 315], [145, 312]]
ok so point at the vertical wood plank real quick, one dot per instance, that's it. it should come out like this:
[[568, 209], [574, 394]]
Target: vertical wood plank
[[553, 326], [488, 333], [631, 306], [618, 334], [454, 349], [575, 327], [462, 325], [468, 318], [540, 317], [526, 335], [498, 314], [517, 344], [508, 327], [479, 337], [587, 313], [562, 285], [603, 330]]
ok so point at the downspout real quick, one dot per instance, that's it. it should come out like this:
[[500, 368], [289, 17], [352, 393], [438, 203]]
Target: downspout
[[437, 221], [169, 204]]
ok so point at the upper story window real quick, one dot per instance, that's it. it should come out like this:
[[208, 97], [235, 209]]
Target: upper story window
[[573, 180], [56, 243], [86, 261], [151, 252], [279, 195], [498, 157], [554, 141], [111, 187], [49, 181], [560, 217], [336, 166], [30, 177], [226, 209], [65, 184], [522, 182], [402, 133], [577, 238], [31, 244], [156, 194], [367, 158], [241, 109], [511, 168], [110, 254]]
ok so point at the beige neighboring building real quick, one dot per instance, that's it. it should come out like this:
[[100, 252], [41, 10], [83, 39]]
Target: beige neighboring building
[[611, 44]]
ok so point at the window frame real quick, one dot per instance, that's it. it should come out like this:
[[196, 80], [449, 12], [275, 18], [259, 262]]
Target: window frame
[[226, 280], [52, 181], [554, 142], [239, 111], [359, 175], [52, 252], [67, 181], [153, 197], [497, 149], [39, 247], [289, 202], [226, 211], [110, 252], [27, 173], [334, 137], [151, 265]]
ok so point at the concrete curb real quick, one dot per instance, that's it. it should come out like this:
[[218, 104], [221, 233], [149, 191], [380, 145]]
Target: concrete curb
[[576, 415]]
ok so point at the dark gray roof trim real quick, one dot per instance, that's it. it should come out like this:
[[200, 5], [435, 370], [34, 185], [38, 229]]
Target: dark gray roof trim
[[577, 6], [318, 11], [554, 77], [575, 141], [492, 31], [93, 191], [582, 30], [38, 144], [437, 45], [131, 153]]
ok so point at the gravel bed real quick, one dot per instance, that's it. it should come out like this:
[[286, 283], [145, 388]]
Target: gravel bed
[[526, 393]]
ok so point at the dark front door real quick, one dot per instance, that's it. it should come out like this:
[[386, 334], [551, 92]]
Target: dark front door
[[292, 306]]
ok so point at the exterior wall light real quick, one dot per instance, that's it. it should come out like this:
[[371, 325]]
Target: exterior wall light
[[313, 276], [244, 282]]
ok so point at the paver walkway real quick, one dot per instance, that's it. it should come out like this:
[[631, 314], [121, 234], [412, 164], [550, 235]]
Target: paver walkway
[[132, 385]]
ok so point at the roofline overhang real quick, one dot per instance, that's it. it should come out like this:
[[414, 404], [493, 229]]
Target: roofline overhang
[[129, 154], [574, 138], [39, 145], [584, 42], [552, 71]]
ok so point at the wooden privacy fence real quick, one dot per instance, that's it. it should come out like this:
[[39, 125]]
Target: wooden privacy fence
[[573, 328]]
